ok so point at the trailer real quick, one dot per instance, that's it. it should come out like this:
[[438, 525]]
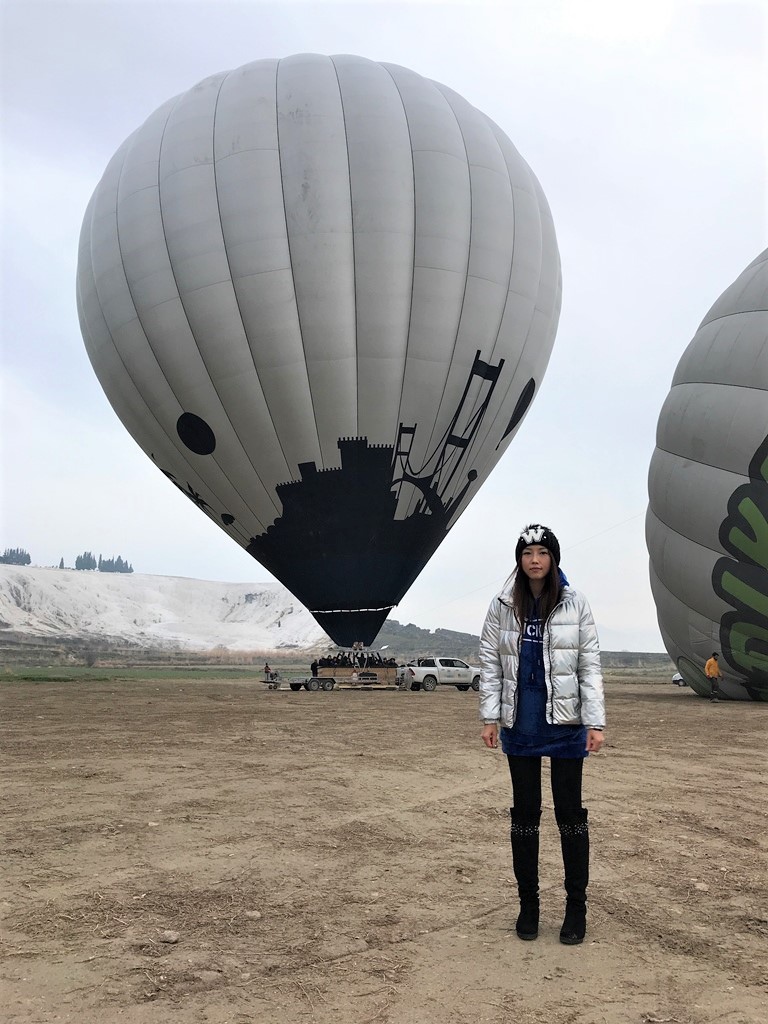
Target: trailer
[[356, 677]]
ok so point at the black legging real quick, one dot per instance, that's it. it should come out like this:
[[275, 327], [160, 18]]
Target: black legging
[[566, 784]]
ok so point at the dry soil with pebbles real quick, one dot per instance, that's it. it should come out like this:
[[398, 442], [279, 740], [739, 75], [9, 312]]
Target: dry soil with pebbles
[[217, 852]]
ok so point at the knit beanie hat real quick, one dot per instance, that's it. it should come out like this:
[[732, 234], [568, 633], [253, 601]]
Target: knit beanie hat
[[535, 533]]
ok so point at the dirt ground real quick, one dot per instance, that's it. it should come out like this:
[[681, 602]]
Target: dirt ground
[[344, 857]]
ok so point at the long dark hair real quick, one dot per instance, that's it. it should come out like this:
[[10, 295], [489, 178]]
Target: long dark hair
[[522, 598]]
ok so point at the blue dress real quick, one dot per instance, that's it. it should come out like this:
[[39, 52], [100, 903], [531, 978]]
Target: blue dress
[[532, 735]]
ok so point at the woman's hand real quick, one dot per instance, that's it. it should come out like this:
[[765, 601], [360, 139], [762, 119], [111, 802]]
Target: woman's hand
[[594, 740], [490, 736]]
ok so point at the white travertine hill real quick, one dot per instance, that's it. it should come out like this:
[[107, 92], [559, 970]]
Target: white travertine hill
[[153, 611]]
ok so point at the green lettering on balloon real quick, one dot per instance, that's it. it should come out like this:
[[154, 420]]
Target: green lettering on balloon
[[743, 594], [759, 467], [741, 580], [754, 547], [745, 641]]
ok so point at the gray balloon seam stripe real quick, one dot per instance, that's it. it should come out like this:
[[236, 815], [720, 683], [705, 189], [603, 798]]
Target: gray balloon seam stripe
[[693, 558], [382, 238], [169, 430], [415, 385], [318, 221], [224, 422], [430, 448], [510, 143], [260, 284], [720, 409], [675, 486], [500, 406], [176, 257], [245, 330], [171, 434], [481, 117], [453, 101], [138, 423]]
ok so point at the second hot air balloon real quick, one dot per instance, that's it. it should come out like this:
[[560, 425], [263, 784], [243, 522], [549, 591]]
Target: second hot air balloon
[[707, 522], [321, 293]]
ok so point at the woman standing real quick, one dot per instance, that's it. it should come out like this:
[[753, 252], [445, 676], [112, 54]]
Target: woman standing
[[542, 687]]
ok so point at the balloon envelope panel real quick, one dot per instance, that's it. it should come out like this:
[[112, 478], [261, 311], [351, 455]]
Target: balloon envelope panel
[[707, 522], [321, 293]]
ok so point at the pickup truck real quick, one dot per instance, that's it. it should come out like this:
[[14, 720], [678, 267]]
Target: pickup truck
[[429, 673]]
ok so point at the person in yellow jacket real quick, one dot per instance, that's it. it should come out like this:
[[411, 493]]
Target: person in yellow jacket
[[712, 672]]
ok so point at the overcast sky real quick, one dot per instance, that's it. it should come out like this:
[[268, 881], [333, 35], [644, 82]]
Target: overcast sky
[[645, 124]]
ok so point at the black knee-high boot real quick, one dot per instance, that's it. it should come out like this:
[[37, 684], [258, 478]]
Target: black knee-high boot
[[574, 840], [524, 834]]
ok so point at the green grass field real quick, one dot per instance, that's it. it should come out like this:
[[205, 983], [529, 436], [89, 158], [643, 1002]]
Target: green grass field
[[98, 674]]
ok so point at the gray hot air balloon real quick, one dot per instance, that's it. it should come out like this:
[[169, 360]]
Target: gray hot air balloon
[[707, 522], [320, 293]]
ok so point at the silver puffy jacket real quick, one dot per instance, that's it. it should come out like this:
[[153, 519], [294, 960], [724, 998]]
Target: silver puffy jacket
[[571, 663]]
